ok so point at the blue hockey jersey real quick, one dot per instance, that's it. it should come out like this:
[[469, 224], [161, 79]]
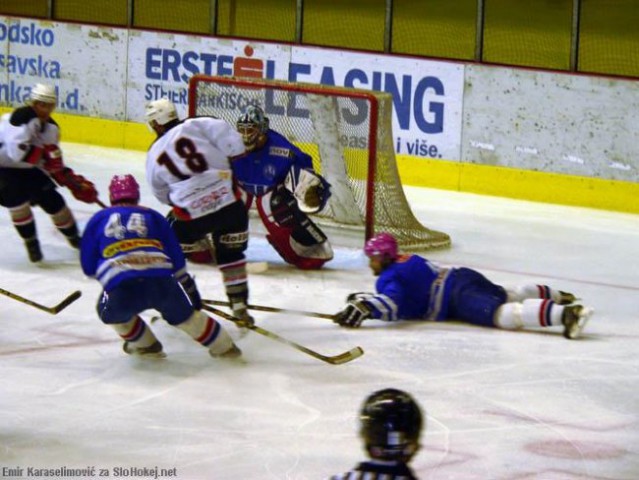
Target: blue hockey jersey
[[410, 288], [261, 170], [414, 288], [124, 242]]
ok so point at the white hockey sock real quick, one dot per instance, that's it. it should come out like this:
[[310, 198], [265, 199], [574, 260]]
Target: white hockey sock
[[528, 291], [63, 218], [208, 332], [529, 313], [509, 316], [136, 332]]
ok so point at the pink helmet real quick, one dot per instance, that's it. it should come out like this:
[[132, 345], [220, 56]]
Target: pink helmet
[[383, 244], [124, 187]]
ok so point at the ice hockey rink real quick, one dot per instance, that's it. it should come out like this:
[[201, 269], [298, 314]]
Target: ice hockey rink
[[499, 405]]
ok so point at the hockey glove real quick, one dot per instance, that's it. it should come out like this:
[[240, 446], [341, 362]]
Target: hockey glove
[[188, 283], [53, 159], [33, 156], [352, 316], [81, 188]]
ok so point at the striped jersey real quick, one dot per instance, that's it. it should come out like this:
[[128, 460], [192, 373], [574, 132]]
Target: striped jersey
[[124, 242]]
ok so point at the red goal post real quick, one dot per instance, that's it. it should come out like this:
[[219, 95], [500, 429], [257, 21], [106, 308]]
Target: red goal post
[[347, 131]]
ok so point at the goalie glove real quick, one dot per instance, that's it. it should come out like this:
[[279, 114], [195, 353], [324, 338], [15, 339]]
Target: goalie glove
[[355, 312], [310, 190], [189, 286], [81, 188]]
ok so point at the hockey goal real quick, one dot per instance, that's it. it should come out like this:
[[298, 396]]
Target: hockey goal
[[348, 132]]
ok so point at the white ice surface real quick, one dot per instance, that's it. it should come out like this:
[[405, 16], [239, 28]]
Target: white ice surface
[[500, 405]]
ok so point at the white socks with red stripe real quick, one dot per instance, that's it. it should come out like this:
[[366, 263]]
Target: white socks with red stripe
[[529, 313]]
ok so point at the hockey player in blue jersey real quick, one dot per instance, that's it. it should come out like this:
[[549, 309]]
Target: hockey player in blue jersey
[[280, 179], [132, 251], [411, 287], [390, 425]]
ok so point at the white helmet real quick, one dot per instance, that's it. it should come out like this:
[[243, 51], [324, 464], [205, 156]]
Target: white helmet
[[160, 111], [43, 93]]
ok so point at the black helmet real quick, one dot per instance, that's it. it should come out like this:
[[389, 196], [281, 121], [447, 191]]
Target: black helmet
[[390, 425]]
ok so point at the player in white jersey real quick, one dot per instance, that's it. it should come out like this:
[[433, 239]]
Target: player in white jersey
[[30, 157], [189, 168]]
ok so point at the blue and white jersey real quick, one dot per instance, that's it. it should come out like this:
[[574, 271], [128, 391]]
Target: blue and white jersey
[[410, 288], [263, 169], [124, 242]]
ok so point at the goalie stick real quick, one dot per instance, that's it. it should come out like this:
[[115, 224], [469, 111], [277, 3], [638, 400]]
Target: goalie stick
[[339, 359], [53, 310], [264, 308]]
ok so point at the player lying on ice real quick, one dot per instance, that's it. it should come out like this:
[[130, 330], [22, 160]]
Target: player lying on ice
[[279, 178], [411, 287], [132, 251]]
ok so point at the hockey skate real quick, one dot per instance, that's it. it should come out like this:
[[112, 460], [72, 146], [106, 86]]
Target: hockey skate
[[33, 249], [574, 319], [74, 241], [245, 320], [233, 352], [566, 298], [152, 351]]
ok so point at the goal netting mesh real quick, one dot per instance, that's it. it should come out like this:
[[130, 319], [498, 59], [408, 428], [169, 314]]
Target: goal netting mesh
[[347, 131]]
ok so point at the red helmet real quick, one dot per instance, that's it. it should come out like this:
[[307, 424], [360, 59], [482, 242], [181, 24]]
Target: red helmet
[[383, 245], [124, 187]]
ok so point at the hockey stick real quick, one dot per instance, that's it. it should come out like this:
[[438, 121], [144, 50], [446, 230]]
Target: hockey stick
[[53, 310], [333, 360], [264, 308]]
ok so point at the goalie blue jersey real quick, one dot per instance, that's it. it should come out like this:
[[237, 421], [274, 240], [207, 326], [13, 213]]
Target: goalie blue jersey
[[263, 169], [125, 242]]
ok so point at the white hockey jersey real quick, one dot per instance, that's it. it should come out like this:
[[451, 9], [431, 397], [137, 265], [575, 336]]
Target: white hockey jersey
[[22, 130], [189, 167]]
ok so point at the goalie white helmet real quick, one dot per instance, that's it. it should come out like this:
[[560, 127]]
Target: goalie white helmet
[[43, 93], [160, 112]]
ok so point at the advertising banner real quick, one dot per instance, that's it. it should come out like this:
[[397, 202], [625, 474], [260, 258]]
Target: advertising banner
[[86, 64], [427, 95], [161, 65]]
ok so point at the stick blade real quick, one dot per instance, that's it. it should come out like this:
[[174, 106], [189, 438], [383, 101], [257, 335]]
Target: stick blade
[[346, 357], [67, 301]]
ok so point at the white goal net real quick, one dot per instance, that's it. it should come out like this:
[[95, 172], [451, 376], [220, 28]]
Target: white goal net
[[348, 132]]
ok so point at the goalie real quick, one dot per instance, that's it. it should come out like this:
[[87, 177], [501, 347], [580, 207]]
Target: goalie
[[279, 178]]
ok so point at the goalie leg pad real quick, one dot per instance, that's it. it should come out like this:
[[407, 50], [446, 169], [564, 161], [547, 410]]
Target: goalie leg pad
[[291, 233]]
